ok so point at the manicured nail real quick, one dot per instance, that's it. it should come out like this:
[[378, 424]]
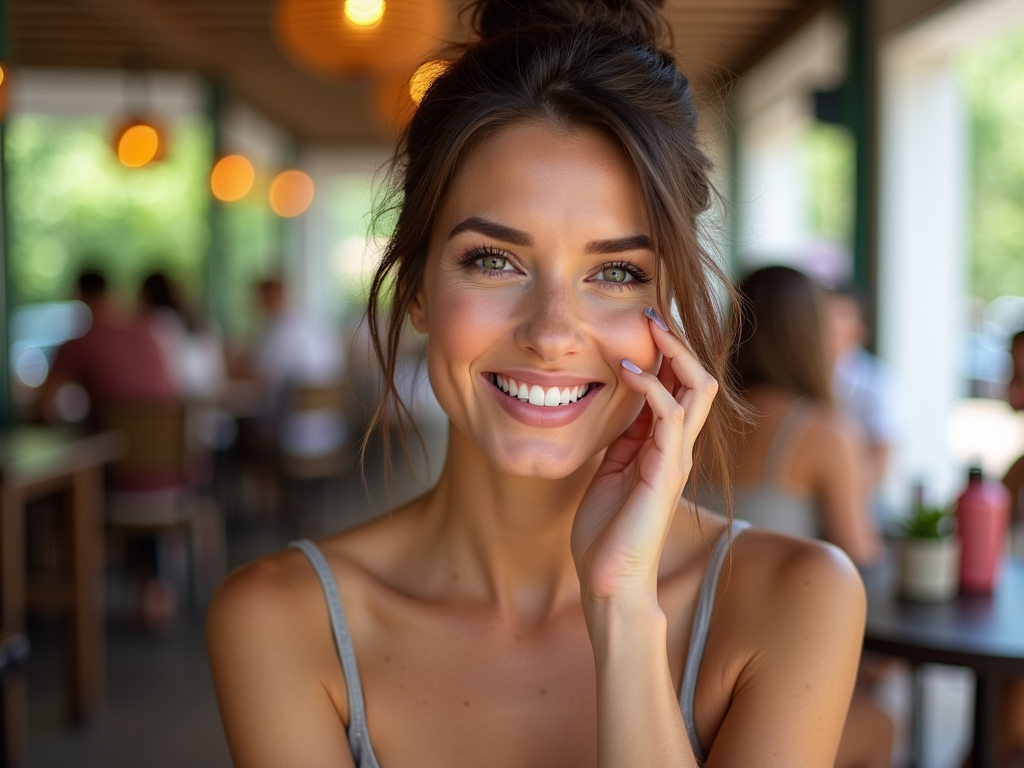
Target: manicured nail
[[630, 366], [652, 313]]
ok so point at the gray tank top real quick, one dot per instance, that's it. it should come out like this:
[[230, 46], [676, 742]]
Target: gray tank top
[[359, 736], [768, 503]]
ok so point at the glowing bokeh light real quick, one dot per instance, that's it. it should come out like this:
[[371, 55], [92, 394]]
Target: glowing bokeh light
[[291, 193], [424, 77], [138, 145], [3, 74], [232, 178], [364, 13]]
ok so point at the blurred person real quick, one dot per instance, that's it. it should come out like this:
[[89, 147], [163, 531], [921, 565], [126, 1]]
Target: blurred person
[[116, 360], [297, 350], [193, 356], [1010, 734], [862, 384], [1014, 478], [119, 362], [800, 461]]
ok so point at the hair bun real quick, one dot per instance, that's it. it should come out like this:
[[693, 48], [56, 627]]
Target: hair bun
[[638, 18]]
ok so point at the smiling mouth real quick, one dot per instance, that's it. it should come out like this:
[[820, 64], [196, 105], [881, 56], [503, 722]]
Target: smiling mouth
[[535, 394]]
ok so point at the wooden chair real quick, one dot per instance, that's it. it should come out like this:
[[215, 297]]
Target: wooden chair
[[326, 452], [150, 492]]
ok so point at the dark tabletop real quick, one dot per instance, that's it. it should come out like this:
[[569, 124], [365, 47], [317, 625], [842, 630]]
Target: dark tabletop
[[985, 632]]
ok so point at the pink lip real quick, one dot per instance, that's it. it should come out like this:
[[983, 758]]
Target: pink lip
[[542, 415]]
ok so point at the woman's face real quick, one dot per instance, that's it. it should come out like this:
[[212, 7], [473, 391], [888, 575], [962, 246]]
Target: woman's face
[[538, 273]]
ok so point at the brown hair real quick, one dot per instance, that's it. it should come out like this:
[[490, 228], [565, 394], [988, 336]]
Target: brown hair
[[781, 334], [580, 66]]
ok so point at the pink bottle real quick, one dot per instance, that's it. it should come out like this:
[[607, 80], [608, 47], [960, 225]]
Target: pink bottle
[[982, 515]]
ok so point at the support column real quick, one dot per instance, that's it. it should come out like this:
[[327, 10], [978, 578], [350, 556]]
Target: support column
[[216, 248], [922, 244], [860, 101], [6, 285]]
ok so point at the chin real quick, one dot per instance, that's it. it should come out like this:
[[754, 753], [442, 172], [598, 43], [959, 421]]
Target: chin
[[524, 458]]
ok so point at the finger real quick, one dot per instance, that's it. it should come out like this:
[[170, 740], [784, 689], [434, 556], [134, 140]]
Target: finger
[[696, 387], [669, 415], [625, 447]]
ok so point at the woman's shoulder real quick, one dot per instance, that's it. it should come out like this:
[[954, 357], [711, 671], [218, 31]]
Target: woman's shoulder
[[287, 582], [772, 568]]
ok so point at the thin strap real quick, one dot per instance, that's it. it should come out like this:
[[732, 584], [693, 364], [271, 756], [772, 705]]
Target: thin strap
[[699, 633], [358, 735], [781, 441]]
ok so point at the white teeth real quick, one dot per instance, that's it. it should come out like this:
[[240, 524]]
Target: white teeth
[[537, 395]]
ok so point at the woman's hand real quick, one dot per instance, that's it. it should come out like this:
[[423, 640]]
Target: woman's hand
[[624, 518]]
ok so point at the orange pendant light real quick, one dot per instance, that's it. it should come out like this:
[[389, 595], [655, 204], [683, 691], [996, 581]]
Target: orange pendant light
[[338, 38], [139, 143]]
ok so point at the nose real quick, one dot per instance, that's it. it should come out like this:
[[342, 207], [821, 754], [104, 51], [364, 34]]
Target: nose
[[552, 324]]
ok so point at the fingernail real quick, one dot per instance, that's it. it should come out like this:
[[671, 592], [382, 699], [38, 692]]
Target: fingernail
[[630, 366], [653, 314]]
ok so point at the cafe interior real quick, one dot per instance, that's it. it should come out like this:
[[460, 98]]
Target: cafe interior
[[211, 166]]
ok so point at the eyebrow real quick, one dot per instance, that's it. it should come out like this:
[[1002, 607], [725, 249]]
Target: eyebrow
[[518, 237]]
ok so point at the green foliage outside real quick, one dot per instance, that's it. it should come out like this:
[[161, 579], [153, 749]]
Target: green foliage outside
[[830, 165], [72, 204], [992, 77]]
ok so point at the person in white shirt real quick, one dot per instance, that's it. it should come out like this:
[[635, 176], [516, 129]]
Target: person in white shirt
[[298, 350], [862, 384]]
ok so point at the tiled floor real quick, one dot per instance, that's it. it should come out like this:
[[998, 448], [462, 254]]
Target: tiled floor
[[161, 710]]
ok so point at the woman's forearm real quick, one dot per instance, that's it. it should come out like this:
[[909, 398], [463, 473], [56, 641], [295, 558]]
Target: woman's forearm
[[638, 717]]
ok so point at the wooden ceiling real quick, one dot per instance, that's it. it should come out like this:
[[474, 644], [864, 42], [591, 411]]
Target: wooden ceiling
[[232, 40]]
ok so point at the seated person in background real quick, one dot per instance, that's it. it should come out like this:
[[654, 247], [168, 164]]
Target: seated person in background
[[1010, 744], [1014, 479], [195, 359], [298, 350], [861, 383], [116, 360], [800, 464]]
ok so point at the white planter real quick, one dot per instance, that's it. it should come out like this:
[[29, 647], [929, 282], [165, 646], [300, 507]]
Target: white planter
[[929, 569]]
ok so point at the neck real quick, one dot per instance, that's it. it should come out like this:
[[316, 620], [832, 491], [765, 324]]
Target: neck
[[505, 539]]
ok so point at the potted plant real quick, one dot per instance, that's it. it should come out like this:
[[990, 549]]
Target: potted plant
[[929, 555]]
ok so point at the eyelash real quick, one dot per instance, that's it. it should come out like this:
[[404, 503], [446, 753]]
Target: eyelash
[[474, 255]]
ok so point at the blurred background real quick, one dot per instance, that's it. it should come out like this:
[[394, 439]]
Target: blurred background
[[187, 242]]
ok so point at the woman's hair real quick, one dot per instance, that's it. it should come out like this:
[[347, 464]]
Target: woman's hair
[[576, 65], [782, 341]]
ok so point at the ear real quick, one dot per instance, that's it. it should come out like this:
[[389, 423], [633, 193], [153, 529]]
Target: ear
[[419, 315]]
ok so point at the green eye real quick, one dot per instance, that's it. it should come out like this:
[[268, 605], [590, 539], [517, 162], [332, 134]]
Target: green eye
[[615, 275], [496, 263]]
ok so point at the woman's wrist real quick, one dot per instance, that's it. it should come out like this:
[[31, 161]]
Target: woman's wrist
[[625, 623]]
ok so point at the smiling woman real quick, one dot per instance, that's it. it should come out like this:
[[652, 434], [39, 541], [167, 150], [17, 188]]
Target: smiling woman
[[551, 601]]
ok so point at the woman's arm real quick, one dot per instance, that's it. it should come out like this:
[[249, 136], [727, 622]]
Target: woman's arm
[[265, 640], [618, 536], [842, 487]]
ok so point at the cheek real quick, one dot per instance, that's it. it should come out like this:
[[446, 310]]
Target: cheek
[[468, 323], [624, 332]]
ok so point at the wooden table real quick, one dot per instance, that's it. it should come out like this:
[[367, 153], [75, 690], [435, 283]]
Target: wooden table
[[983, 632], [37, 461]]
